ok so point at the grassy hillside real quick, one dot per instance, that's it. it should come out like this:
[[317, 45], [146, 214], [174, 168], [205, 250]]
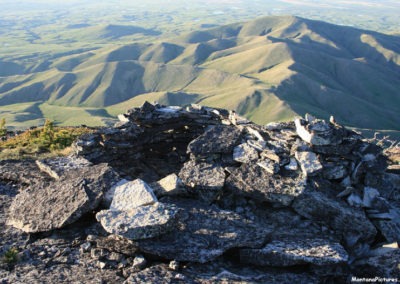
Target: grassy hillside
[[272, 68]]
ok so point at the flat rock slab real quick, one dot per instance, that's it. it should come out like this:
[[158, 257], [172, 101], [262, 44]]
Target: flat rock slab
[[55, 168], [282, 253], [257, 183], [139, 223], [131, 195], [218, 139], [349, 221], [204, 234], [207, 180], [62, 202]]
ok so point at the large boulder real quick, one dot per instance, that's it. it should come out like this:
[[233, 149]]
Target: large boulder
[[59, 203]]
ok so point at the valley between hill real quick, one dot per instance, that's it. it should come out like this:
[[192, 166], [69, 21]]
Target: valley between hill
[[268, 69]]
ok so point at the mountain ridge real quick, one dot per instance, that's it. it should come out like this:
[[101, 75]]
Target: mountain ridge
[[286, 65]]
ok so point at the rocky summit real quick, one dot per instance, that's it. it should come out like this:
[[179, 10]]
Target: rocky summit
[[202, 195]]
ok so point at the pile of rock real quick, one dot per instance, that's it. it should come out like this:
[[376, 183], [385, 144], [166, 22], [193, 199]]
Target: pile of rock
[[201, 195]]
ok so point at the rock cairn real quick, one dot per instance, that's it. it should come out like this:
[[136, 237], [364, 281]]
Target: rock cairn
[[202, 195]]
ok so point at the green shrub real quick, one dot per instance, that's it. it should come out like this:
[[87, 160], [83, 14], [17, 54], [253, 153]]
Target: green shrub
[[11, 256]]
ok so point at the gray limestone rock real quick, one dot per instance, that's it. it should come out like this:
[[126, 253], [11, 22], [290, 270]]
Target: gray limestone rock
[[131, 195], [62, 202], [204, 233], [309, 163], [259, 184], [348, 221], [218, 139], [139, 223], [206, 180], [244, 153], [282, 253]]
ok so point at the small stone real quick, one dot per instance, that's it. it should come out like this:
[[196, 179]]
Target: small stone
[[369, 196], [85, 247], [132, 194], [114, 256], [101, 264], [98, 253], [271, 155], [245, 154], [354, 200], [270, 166], [349, 190], [174, 265], [168, 186], [310, 165], [292, 166], [139, 262], [258, 145], [255, 133], [123, 118]]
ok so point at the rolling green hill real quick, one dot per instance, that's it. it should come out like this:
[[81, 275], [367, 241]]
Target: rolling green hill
[[272, 68]]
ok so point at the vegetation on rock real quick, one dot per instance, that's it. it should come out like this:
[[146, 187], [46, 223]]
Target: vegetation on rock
[[45, 141]]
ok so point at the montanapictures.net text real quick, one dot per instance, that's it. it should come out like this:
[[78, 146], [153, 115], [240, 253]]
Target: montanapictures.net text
[[375, 279]]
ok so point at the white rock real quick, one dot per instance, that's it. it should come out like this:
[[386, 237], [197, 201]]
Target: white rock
[[170, 185], [123, 118], [310, 165], [131, 195], [139, 262], [139, 223]]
